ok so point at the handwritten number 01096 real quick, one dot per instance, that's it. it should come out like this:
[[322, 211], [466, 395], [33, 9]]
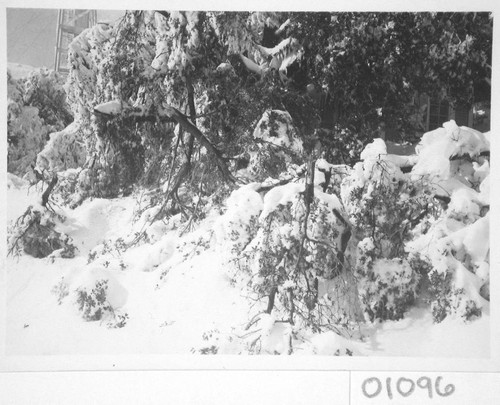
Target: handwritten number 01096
[[372, 387]]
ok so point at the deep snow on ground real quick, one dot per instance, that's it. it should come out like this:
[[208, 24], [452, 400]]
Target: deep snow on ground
[[193, 304]]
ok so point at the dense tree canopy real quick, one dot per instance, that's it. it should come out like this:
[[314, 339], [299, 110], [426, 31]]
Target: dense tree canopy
[[372, 65], [343, 77]]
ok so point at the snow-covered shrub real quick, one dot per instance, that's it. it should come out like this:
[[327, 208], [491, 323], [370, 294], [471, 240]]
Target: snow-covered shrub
[[382, 202], [65, 155], [44, 89], [35, 234], [26, 135], [73, 186], [384, 206], [93, 304], [63, 151], [445, 299], [454, 160], [277, 145], [457, 256], [100, 296], [296, 253], [438, 148], [387, 287], [118, 321], [36, 106], [210, 343], [60, 290], [26, 131], [237, 227]]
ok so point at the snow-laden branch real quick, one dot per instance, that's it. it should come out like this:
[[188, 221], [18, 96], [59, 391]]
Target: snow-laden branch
[[283, 54], [188, 126], [252, 66], [117, 108], [280, 57], [112, 108]]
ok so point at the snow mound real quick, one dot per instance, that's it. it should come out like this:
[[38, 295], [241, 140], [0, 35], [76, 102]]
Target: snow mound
[[329, 344], [374, 150], [437, 147], [234, 229], [116, 294], [147, 257], [280, 195]]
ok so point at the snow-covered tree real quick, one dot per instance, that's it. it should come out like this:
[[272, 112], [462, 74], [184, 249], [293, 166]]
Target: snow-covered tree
[[265, 129]]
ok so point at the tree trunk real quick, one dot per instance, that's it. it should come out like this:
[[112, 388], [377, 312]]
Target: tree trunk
[[46, 194], [192, 115], [270, 302]]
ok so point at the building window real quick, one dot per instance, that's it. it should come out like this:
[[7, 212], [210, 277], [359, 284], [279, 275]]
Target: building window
[[438, 113]]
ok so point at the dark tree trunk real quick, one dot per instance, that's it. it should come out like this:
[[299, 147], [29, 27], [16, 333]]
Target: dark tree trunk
[[46, 194]]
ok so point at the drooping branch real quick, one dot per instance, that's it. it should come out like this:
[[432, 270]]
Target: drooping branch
[[119, 108], [188, 126]]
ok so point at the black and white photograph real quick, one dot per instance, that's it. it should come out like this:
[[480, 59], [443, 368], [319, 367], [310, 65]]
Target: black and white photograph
[[248, 183]]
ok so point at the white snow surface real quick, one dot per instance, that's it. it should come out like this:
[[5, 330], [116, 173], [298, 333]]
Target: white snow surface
[[280, 195], [113, 107], [195, 296], [177, 305], [437, 146]]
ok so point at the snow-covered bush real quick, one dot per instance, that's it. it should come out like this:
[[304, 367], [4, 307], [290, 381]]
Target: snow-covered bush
[[99, 295], [210, 343], [456, 245], [387, 287], [427, 228], [63, 151], [277, 145], [36, 106], [382, 202], [44, 89], [93, 304], [73, 186], [298, 250], [60, 290], [26, 135], [384, 206], [25, 130], [237, 227], [35, 233]]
